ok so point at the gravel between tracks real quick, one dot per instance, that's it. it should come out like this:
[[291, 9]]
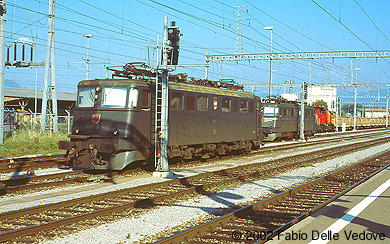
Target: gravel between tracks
[[164, 218], [5, 176]]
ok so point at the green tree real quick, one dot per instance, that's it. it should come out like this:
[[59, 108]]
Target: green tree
[[348, 109], [320, 103]]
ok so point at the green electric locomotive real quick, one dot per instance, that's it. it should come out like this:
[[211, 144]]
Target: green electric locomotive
[[113, 122]]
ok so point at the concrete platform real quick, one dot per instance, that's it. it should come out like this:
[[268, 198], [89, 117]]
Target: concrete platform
[[360, 216]]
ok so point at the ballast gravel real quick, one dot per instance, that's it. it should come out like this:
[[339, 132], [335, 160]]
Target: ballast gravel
[[160, 220], [50, 171]]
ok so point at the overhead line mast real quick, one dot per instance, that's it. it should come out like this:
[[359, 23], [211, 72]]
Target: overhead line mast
[[49, 91]]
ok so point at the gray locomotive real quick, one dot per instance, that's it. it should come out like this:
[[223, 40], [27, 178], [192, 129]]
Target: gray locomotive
[[113, 121], [281, 119]]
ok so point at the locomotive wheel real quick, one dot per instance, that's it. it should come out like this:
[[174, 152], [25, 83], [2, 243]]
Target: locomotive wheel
[[248, 147]]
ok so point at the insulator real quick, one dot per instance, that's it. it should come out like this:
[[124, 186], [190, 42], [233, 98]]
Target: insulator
[[32, 53], [23, 52], [15, 51]]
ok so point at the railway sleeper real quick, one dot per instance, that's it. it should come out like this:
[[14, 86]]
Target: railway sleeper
[[301, 202], [259, 217], [203, 240], [39, 219], [2, 229], [209, 236], [57, 215], [247, 228], [18, 224], [283, 211]]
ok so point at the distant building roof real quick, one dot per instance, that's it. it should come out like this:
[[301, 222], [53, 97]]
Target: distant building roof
[[30, 93], [375, 109]]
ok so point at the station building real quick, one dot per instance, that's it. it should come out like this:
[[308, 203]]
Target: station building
[[375, 112]]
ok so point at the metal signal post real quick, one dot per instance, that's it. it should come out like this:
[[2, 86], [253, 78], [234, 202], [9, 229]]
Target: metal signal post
[[303, 99], [161, 119]]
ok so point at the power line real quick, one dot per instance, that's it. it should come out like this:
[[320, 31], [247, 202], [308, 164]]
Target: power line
[[350, 32], [202, 20], [341, 23], [270, 16], [372, 21]]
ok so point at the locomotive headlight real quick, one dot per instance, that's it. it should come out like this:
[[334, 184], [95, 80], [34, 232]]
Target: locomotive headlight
[[77, 131], [115, 132], [98, 89]]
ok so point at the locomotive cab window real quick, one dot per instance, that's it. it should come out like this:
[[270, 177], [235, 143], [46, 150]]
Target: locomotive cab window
[[202, 103], [133, 98], [243, 106], [145, 104], [114, 97], [86, 97], [226, 105], [177, 100], [271, 111]]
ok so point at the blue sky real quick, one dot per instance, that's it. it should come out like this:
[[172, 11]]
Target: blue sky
[[123, 29]]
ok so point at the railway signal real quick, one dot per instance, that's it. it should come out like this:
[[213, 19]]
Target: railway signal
[[174, 44], [305, 90]]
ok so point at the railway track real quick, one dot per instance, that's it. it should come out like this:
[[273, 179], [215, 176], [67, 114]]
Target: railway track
[[31, 182], [267, 219], [32, 163], [24, 183], [274, 148], [27, 222], [326, 134]]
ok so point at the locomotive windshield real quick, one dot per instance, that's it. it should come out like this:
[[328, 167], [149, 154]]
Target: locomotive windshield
[[271, 111], [86, 98], [114, 97]]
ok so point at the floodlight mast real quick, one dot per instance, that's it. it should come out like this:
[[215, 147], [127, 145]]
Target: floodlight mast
[[270, 62], [88, 36], [354, 104]]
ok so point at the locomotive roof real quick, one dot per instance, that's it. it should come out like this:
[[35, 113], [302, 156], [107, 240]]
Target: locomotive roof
[[172, 85]]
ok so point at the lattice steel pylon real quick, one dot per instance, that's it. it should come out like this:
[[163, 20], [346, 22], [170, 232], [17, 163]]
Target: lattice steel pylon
[[239, 48], [49, 113]]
